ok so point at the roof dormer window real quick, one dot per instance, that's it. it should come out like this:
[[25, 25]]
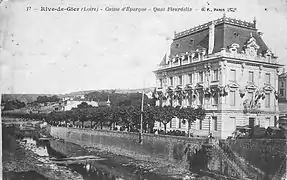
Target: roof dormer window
[[191, 41], [236, 34], [177, 45]]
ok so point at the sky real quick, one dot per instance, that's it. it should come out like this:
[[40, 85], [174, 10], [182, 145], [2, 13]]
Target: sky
[[61, 52]]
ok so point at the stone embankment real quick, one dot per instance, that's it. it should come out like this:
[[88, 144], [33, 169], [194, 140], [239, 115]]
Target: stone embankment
[[175, 155], [169, 154]]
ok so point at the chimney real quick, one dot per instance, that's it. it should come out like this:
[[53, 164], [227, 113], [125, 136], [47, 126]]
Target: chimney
[[211, 38], [169, 42]]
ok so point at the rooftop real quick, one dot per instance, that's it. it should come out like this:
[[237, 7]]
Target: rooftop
[[224, 19], [232, 38]]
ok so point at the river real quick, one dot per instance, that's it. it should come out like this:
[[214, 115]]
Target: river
[[46, 158]]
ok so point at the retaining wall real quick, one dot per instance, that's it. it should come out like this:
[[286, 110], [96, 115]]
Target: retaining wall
[[267, 155], [154, 147]]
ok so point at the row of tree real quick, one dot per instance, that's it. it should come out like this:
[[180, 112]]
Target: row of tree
[[45, 99], [13, 104], [125, 116]]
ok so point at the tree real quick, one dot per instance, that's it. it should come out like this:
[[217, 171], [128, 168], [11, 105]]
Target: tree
[[190, 115], [112, 115], [14, 104], [92, 115], [84, 105], [72, 114], [149, 118], [165, 114], [129, 116], [82, 115], [45, 99], [54, 98]]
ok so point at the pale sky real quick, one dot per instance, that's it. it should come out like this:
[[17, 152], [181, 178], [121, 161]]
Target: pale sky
[[60, 52]]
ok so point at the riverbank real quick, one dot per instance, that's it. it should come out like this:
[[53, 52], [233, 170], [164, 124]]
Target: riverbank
[[168, 156], [18, 160]]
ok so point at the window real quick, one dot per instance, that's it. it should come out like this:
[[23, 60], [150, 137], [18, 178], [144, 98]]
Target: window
[[269, 121], [160, 82], [179, 123], [159, 124], [177, 45], [180, 80], [180, 102], [170, 124], [190, 78], [281, 92], [232, 98], [200, 76], [215, 100], [200, 124], [233, 121], [250, 95], [267, 78], [214, 123], [185, 57], [282, 84], [171, 81], [232, 75], [251, 76], [215, 75], [191, 41], [200, 98], [267, 100]]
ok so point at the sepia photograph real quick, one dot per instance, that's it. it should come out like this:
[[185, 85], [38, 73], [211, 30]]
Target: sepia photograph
[[143, 90]]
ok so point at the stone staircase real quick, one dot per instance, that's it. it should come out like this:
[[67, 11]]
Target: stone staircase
[[239, 171], [250, 170], [237, 167], [282, 172]]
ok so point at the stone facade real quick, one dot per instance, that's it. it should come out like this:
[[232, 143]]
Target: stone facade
[[283, 99], [234, 79]]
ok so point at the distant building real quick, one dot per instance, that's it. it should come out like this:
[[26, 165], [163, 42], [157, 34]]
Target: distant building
[[224, 66]]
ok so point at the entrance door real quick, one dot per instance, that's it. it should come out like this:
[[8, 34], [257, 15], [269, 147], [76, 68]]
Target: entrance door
[[251, 125], [251, 122]]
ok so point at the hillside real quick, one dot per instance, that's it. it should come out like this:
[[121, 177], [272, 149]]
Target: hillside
[[120, 91], [28, 98]]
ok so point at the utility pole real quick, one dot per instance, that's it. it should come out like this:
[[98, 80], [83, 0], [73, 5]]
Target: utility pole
[[141, 128]]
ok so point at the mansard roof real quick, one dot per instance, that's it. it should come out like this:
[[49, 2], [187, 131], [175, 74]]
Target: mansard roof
[[227, 31]]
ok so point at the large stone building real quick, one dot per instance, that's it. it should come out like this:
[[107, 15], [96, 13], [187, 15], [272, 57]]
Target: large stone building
[[225, 66]]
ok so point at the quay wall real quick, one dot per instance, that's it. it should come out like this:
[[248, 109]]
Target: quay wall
[[261, 158], [173, 149]]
